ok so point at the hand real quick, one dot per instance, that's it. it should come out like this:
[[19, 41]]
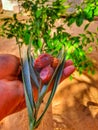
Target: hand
[[11, 86]]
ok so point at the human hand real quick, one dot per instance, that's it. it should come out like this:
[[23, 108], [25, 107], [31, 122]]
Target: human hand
[[11, 86]]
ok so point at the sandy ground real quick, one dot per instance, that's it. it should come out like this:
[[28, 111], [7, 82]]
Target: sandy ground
[[75, 105]]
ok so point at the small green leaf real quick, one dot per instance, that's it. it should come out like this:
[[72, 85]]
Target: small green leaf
[[86, 26], [70, 77], [90, 49], [38, 13], [96, 11], [88, 13], [79, 20], [26, 37], [40, 43], [71, 20], [15, 16]]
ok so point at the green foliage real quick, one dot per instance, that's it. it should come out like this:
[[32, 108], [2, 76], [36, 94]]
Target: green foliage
[[40, 25]]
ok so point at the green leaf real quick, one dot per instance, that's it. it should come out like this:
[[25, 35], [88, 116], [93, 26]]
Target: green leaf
[[96, 11], [90, 49], [70, 77], [38, 13], [40, 43], [71, 20], [86, 26], [15, 17], [79, 20], [88, 13], [26, 37], [9, 35], [32, 70], [28, 89], [27, 81]]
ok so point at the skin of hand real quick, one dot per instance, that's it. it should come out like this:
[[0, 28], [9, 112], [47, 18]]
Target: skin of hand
[[11, 86]]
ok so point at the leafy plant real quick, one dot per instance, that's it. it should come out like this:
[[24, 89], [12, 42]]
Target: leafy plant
[[40, 33], [40, 24]]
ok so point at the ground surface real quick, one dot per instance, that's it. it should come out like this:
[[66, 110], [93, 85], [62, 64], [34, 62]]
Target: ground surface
[[75, 105]]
